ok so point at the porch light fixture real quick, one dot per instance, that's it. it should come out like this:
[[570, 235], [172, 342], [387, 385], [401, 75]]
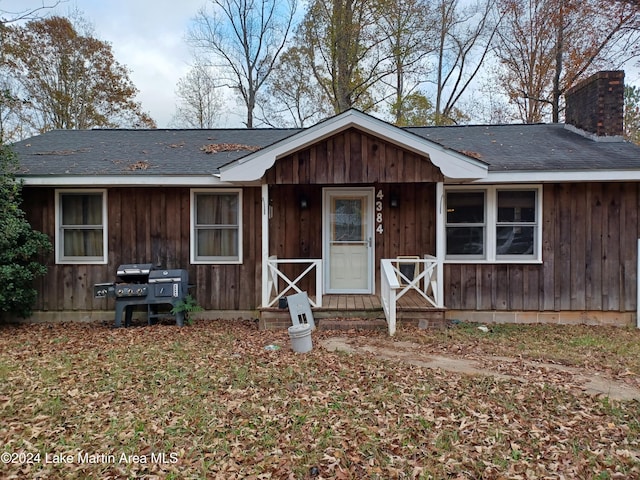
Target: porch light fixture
[[394, 201], [304, 203]]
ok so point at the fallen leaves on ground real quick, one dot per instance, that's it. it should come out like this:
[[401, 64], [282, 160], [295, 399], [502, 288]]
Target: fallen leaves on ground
[[209, 401]]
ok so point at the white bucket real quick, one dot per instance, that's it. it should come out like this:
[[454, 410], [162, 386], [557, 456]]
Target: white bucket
[[300, 336]]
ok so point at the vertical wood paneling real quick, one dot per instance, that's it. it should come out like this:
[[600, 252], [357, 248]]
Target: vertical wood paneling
[[149, 225], [628, 246], [502, 287], [452, 279], [579, 213], [589, 246], [549, 244], [612, 264], [515, 283], [352, 157], [589, 240], [468, 284], [562, 274], [593, 248]]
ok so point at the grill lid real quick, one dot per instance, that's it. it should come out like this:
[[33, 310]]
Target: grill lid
[[134, 272]]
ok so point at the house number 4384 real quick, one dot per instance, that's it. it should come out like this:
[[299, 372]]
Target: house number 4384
[[379, 197]]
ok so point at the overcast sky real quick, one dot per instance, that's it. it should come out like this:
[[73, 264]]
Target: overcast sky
[[147, 36]]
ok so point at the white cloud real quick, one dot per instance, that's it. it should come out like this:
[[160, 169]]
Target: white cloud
[[147, 36]]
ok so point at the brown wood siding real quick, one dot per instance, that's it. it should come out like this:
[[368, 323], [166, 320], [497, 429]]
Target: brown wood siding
[[589, 250], [590, 234], [408, 229], [149, 225], [352, 157]]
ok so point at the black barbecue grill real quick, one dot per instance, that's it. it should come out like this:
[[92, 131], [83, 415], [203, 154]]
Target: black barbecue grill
[[142, 284]]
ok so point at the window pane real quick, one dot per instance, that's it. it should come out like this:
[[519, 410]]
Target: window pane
[[81, 209], [465, 241], [217, 243], [83, 243], [515, 240], [517, 206], [217, 209], [347, 220], [465, 207]]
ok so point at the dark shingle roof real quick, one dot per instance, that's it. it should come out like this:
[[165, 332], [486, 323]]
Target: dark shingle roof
[[505, 148], [538, 147], [136, 152]]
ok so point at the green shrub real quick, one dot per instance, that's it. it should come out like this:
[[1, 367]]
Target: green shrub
[[21, 247]]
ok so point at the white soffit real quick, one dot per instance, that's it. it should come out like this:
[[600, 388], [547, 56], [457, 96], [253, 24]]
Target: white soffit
[[123, 181], [452, 164], [553, 176]]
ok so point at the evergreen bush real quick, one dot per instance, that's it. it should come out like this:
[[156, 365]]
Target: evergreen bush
[[21, 247]]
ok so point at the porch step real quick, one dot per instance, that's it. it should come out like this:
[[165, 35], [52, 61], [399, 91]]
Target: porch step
[[352, 324], [326, 319], [276, 319]]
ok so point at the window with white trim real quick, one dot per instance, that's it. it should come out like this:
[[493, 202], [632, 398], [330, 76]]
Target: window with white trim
[[216, 220], [497, 223], [81, 226]]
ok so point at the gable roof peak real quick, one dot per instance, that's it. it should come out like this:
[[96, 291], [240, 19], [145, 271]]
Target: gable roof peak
[[453, 164]]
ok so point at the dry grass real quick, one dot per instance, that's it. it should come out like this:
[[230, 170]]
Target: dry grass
[[216, 404], [604, 349]]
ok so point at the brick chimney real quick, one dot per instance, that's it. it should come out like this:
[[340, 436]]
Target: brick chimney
[[596, 104]]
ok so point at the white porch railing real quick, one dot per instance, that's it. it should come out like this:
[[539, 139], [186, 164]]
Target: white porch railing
[[276, 277], [399, 275]]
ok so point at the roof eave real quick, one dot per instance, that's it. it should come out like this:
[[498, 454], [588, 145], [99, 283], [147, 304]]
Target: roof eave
[[560, 176], [122, 180]]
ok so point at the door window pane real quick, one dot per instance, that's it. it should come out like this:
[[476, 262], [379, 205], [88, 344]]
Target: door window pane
[[347, 220]]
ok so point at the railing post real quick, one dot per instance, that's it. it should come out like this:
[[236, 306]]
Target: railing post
[[440, 243], [392, 312], [265, 245], [388, 285], [319, 286]]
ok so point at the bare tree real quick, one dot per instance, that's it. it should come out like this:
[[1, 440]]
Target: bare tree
[[293, 97], [546, 46], [465, 36], [244, 38], [632, 113], [409, 40], [27, 13], [345, 51], [200, 102]]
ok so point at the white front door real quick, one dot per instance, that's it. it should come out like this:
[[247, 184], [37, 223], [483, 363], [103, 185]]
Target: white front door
[[348, 240]]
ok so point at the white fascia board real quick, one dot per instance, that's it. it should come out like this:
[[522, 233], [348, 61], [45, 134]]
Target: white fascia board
[[123, 181], [452, 164], [560, 176]]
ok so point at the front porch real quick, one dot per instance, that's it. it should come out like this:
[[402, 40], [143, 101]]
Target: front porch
[[344, 312], [410, 291]]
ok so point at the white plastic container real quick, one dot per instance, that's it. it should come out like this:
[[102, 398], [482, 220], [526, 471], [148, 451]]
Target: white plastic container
[[300, 336]]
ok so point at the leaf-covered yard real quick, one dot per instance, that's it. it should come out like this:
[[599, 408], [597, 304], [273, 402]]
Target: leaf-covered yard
[[209, 401]]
